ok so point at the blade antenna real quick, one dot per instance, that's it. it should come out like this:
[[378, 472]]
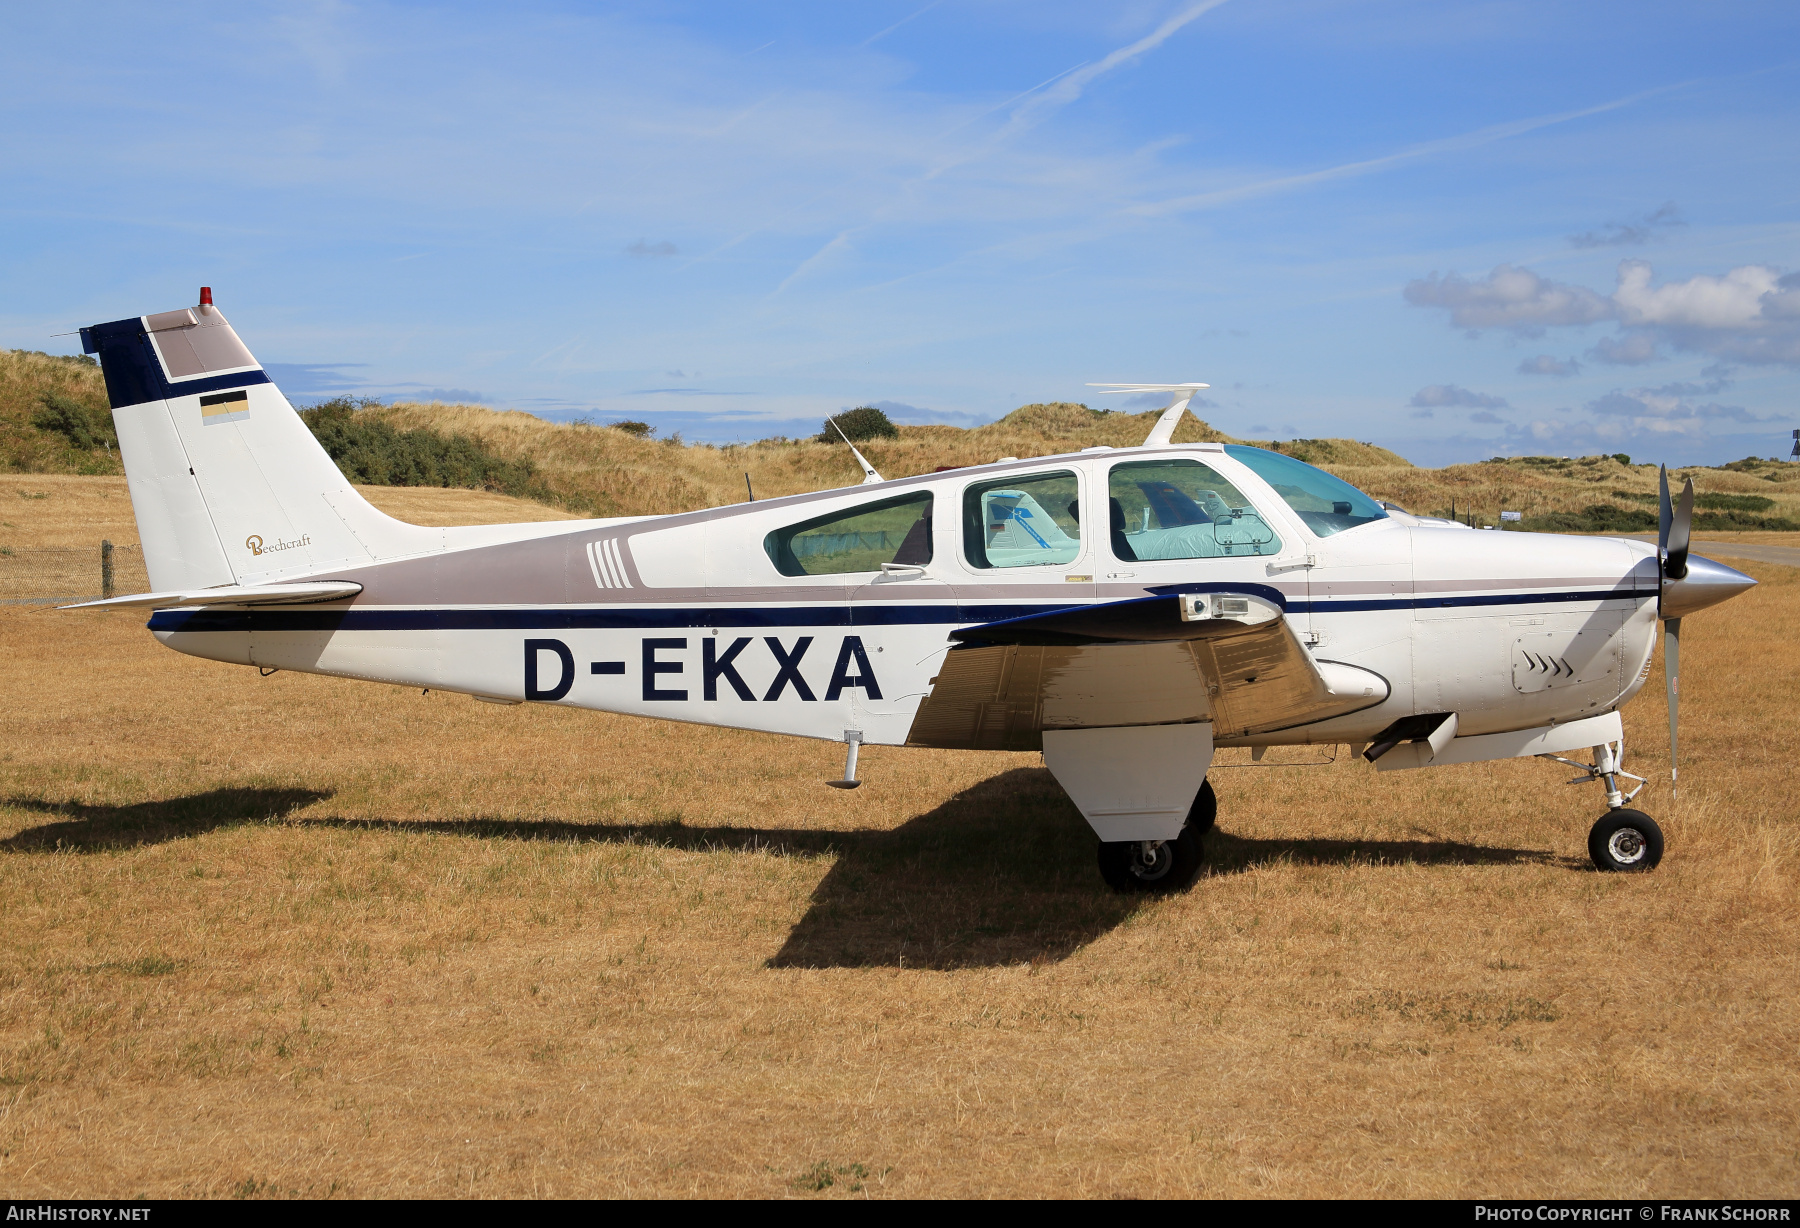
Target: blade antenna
[[1164, 430], [870, 477]]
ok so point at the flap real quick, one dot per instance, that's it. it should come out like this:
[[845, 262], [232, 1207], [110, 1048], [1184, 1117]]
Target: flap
[[1230, 658]]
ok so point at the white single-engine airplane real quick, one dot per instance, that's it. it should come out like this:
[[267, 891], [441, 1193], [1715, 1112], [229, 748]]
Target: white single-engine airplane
[[1125, 611]]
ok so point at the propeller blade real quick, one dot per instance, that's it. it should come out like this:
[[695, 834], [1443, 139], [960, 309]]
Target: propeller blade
[[1665, 514], [1675, 567], [1672, 677]]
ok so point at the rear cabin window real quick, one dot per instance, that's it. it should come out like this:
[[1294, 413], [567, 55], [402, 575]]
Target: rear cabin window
[[1182, 509], [855, 539], [1031, 521]]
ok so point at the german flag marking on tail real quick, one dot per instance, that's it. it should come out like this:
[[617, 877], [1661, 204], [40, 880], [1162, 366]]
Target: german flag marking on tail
[[225, 407]]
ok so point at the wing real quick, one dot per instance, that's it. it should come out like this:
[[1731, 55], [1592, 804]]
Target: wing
[[1230, 658]]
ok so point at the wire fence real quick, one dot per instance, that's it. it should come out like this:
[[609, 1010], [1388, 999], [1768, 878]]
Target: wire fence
[[76, 573]]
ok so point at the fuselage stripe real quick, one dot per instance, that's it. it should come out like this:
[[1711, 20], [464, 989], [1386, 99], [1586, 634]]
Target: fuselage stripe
[[860, 615]]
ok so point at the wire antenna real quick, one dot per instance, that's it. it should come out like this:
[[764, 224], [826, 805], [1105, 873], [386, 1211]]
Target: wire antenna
[[870, 477]]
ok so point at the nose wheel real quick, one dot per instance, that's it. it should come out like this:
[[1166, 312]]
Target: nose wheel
[[1625, 841], [1622, 840]]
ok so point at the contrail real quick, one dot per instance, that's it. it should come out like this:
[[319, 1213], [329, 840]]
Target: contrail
[[877, 37], [1452, 144], [1075, 82]]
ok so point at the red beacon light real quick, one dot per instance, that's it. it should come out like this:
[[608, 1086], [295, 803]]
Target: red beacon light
[[205, 298]]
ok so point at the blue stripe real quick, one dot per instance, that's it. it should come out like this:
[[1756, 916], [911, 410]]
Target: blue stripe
[[578, 619], [1468, 602], [190, 621]]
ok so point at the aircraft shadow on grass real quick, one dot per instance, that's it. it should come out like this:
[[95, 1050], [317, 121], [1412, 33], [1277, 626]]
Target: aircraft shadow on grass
[[1000, 874], [92, 829]]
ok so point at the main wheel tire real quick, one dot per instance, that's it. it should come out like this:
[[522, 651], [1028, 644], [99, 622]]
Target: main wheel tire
[[1625, 841], [1204, 810], [1152, 866]]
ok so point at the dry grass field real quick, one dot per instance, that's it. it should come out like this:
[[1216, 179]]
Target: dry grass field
[[298, 936]]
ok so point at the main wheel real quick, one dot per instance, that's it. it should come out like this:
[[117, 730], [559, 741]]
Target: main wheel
[[1152, 865], [1625, 840], [1205, 808]]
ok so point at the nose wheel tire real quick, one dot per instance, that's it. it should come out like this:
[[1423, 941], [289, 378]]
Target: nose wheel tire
[[1141, 867], [1625, 841]]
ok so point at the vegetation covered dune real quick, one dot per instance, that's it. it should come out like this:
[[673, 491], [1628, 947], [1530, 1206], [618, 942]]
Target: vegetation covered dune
[[53, 419]]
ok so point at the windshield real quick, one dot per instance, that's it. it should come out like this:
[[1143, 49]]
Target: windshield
[[1328, 505]]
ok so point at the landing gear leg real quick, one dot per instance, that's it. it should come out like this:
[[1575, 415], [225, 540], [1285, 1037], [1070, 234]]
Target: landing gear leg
[[1622, 840]]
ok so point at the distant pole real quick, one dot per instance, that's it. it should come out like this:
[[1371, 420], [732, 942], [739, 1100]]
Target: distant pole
[[1795, 454], [106, 570], [751, 490]]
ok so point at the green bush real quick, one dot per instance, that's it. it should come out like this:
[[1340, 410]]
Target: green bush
[[1608, 518], [370, 451], [85, 426], [864, 422], [1734, 503]]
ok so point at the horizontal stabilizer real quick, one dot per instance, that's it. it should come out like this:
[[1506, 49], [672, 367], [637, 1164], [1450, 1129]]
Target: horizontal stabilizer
[[229, 594]]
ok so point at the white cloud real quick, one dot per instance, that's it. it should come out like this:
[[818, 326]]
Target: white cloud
[[1628, 234], [1545, 364], [1750, 313], [1510, 298], [1449, 396], [1733, 301], [1625, 350], [1666, 410]]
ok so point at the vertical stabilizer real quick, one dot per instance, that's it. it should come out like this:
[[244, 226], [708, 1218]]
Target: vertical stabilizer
[[227, 483]]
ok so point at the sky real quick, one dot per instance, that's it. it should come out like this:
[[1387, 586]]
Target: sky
[[1458, 230]]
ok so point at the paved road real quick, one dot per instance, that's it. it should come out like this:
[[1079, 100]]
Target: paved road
[[1787, 556]]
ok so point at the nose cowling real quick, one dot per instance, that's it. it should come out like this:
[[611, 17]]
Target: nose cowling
[[1706, 584]]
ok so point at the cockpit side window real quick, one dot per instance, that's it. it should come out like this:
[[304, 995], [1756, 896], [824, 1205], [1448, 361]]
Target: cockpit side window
[[1182, 509], [1028, 521], [855, 539], [1326, 504]]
